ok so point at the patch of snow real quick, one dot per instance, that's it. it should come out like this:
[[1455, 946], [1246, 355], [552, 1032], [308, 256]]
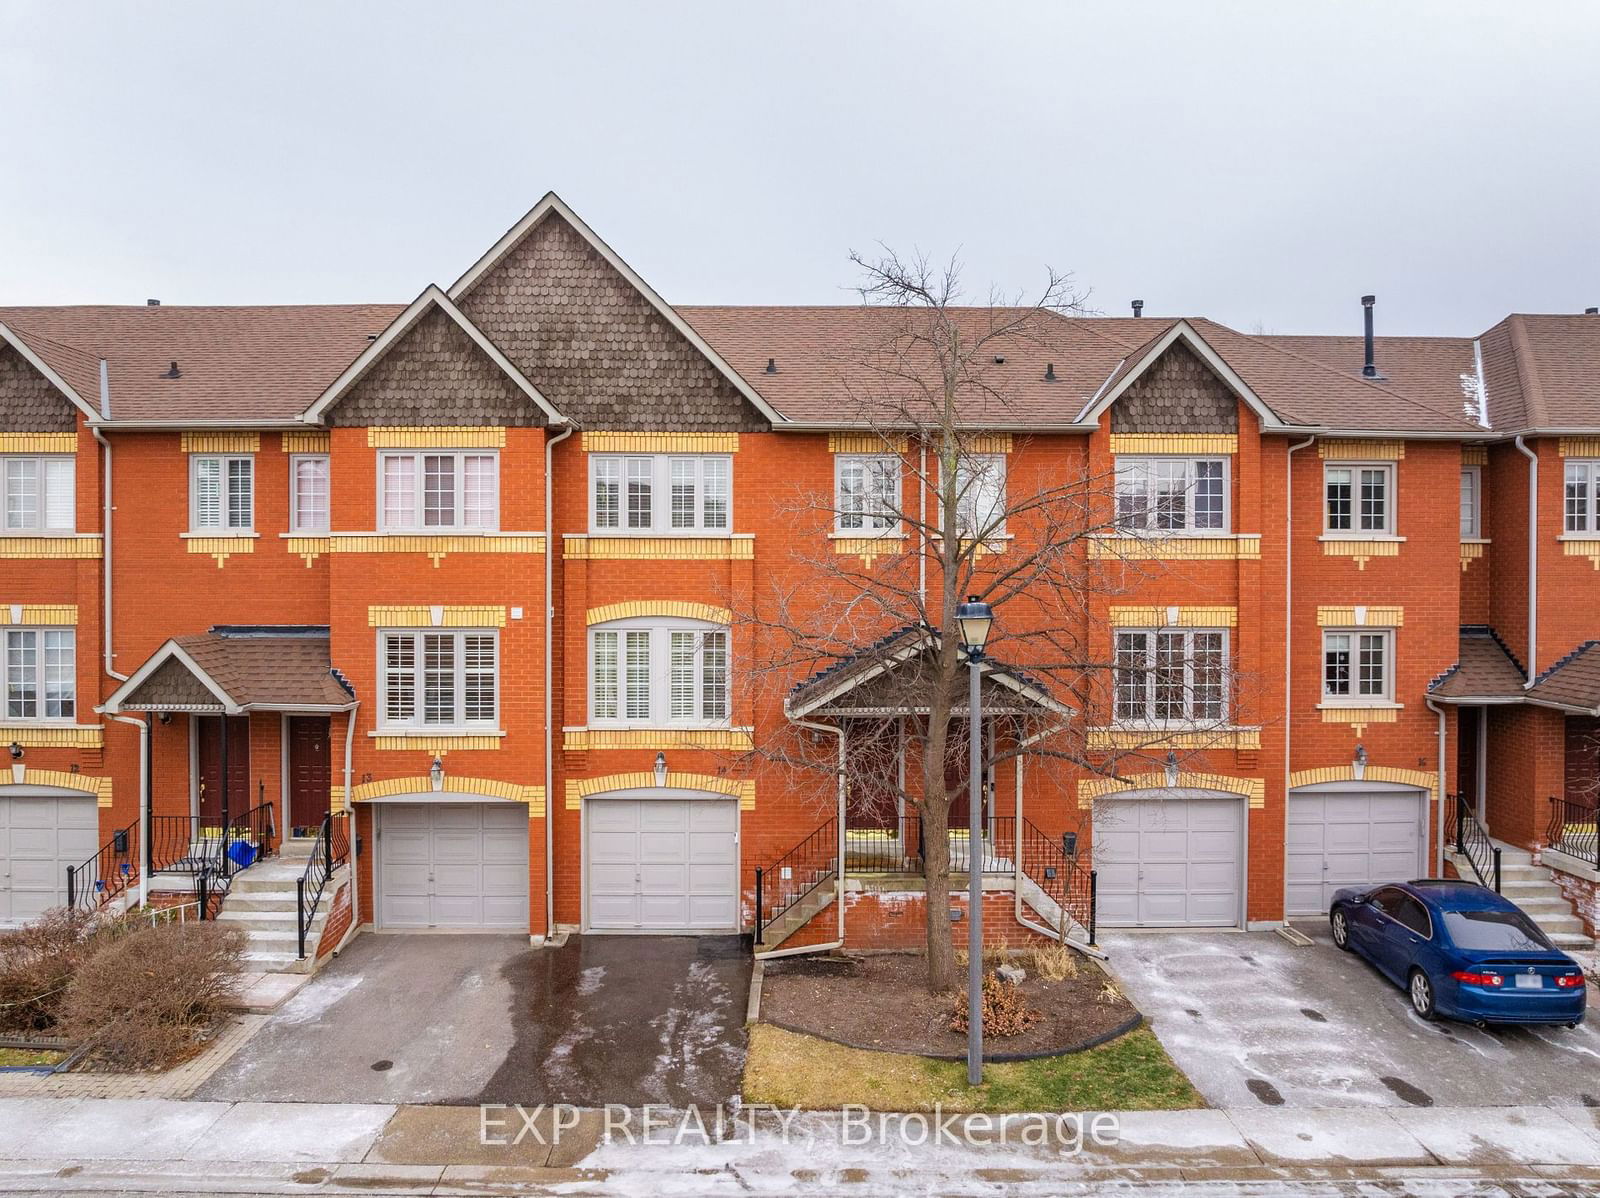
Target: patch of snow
[[589, 980], [315, 999]]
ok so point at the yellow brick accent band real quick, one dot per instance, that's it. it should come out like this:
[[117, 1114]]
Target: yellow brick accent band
[[309, 548], [38, 442], [1361, 450], [42, 548], [1471, 551], [1090, 789], [438, 547], [1356, 617], [1184, 443], [867, 443], [742, 789], [442, 616], [659, 607], [1474, 455], [436, 436], [580, 547], [337, 801], [579, 740], [436, 746], [89, 784], [614, 442], [221, 548], [63, 614], [34, 736], [1373, 773], [491, 788], [1174, 617], [312, 441], [1247, 739], [1580, 447], [221, 442], [990, 443], [1242, 548], [1359, 717], [868, 548], [1588, 549], [1361, 551]]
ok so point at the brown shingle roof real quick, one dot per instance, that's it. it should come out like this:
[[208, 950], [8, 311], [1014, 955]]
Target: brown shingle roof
[[1543, 372], [266, 670], [1574, 681], [1483, 670]]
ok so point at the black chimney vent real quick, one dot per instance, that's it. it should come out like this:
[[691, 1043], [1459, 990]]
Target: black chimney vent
[[1138, 308], [1049, 372], [1591, 311], [1369, 368], [772, 366], [173, 372], [149, 303]]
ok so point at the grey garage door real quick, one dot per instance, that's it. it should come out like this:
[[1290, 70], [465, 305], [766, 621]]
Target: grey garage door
[[1350, 838], [40, 836], [456, 866], [662, 864], [1169, 862]]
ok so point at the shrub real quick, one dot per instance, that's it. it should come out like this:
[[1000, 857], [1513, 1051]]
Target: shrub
[[1055, 962], [37, 961], [1005, 1011], [150, 996]]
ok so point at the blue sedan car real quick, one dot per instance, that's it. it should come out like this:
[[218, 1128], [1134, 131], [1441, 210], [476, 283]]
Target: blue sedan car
[[1460, 950]]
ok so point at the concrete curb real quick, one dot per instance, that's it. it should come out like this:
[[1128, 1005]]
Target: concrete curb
[[752, 1010]]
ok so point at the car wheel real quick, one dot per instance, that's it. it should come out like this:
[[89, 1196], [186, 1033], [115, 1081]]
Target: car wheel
[[1340, 923], [1421, 991]]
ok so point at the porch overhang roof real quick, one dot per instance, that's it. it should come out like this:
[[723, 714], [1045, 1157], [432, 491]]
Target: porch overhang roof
[[237, 670]]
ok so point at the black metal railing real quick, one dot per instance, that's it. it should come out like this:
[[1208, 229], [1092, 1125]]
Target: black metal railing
[[1046, 863], [794, 875], [1575, 830], [1471, 840], [107, 874], [211, 850], [899, 847], [331, 850]]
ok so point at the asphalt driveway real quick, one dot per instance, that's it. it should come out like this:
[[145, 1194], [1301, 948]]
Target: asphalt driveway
[[470, 1019], [1253, 1020]]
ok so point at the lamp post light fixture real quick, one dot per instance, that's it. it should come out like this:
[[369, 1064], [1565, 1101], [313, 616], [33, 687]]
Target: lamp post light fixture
[[975, 619], [661, 769]]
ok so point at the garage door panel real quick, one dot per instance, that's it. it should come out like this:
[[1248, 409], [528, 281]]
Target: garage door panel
[[40, 838], [660, 878], [668, 816], [1347, 838], [1215, 846], [662, 864], [1217, 909], [454, 866], [612, 817], [1350, 838], [1169, 862], [1217, 876], [662, 846], [664, 910], [1164, 846], [606, 848]]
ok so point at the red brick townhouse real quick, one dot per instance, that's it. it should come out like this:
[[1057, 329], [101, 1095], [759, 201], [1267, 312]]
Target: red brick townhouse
[[455, 593]]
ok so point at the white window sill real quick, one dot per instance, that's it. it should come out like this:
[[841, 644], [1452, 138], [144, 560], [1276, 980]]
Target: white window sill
[[699, 533], [1475, 541], [1165, 534], [867, 534], [1360, 704], [1359, 536], [1579, 536], [437, 530], [40, 532], [658, 726], [442, 730], [33, 723], [305, 532], [214, 533], [1198, 727]]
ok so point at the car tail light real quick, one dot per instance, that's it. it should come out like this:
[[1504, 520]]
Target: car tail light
[[1571, 982], [1478, 979]]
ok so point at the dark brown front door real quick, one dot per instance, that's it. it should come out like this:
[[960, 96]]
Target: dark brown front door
[[209, 751], [310, 770], [873, 747]]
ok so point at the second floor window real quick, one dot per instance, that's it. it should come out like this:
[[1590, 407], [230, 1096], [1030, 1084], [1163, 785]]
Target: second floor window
[[660, 493], [440, 679], [867, 492], [222, 493], [1356, 667], [1172, 494], [1471, 502], [658, 674], [308, 493], [39, 493], [1582, 504], [40, 673], [1358, 499], [981, 495], [1170, 676], [431, 491]]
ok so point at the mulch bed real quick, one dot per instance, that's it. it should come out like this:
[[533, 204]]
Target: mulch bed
[[881, 1002]]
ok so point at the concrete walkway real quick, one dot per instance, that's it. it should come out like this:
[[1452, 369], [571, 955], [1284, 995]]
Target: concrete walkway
[[87, 1146]]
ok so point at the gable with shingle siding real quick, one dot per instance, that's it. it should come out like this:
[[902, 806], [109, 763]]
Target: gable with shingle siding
[[29, 402], [172, 685], [1178, 393], [593, 345], [435, 374]]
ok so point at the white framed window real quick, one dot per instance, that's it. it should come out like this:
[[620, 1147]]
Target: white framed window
[[39, 492], [660, 493], [1582, 498], [1172, 494], [866, 492], [435, 489], [1358, 499], [1166, 676], [41, 681], [1471, 502], [222, 492], [1358, 666], [439, 679], [660, 673], [981, 495], [308, 492]]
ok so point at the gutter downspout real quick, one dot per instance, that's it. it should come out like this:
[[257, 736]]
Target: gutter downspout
[[1533, 560], [1288, 635], [355, 871], [144, 800], [549, 686], [105, 519], [838, 880], [1439, 816], [922, 519]]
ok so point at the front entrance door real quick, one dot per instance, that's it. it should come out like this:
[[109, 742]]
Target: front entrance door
[[208, 752], [310, 770], [957, 757]]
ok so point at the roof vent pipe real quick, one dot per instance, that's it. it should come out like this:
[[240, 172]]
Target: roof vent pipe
[[1591, 311], [772, 366], [173, 372], [1049, 372], [1138, 308], [1369, 369], [150, 303]]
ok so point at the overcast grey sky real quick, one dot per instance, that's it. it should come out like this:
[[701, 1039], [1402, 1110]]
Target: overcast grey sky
[[1261, 163]]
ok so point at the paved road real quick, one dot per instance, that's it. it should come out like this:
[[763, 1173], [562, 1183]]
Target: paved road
[[1255, 1021], [468, 1019]]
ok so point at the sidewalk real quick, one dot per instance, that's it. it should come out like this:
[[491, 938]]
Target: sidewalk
[[132, 1145]]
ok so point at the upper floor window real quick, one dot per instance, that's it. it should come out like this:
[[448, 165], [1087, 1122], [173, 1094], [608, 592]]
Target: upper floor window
[[440, 679], [1471, 502], [429, 491], [222, 493], [308, 492], [867, 492], [1359, 499], [672, 672], [1170, 676], [659, 493], [39, 493], [981, 495], [1583, 497], [1171, 494], [1357, 667], [41, 673]]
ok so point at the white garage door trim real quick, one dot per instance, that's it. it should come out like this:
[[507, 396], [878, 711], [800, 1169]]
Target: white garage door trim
[[694, 804], [1190, 802], [1309, 861], [37, 847], [499, 909]]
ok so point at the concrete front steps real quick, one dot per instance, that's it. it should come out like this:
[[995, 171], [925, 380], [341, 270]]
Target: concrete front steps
[[1531, 887], [819, 898], [264, 904]]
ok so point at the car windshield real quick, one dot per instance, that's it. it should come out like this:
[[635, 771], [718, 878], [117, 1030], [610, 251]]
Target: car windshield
[[1498, 931]]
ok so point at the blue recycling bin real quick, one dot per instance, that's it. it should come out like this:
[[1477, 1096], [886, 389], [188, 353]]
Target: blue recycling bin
[[242, 853]]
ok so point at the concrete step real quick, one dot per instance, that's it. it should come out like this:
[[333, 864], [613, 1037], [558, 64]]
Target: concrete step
[[279, 962], [263, 901], [817, 899], [256, 923]]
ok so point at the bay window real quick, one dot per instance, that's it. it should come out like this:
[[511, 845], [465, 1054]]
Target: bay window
[[39, 493], [438, 679], [1172, 494], [222, 493], [40, 673], [1166, 676], [1357, 666], [660, 493], [658, 674], [440, 490]]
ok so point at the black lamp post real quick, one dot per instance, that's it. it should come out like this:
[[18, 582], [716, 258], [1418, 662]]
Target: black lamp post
[[975, 618]]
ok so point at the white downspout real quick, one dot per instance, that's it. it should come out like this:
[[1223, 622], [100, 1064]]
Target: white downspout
[[1288, 637], [922, 519], [144, 803], [549, 686], [838, 874], [105, 520], [1439, 814], [355, 871], [1533, 560]]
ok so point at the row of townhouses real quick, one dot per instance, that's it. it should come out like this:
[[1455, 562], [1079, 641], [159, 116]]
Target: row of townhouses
[[456, 607]]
